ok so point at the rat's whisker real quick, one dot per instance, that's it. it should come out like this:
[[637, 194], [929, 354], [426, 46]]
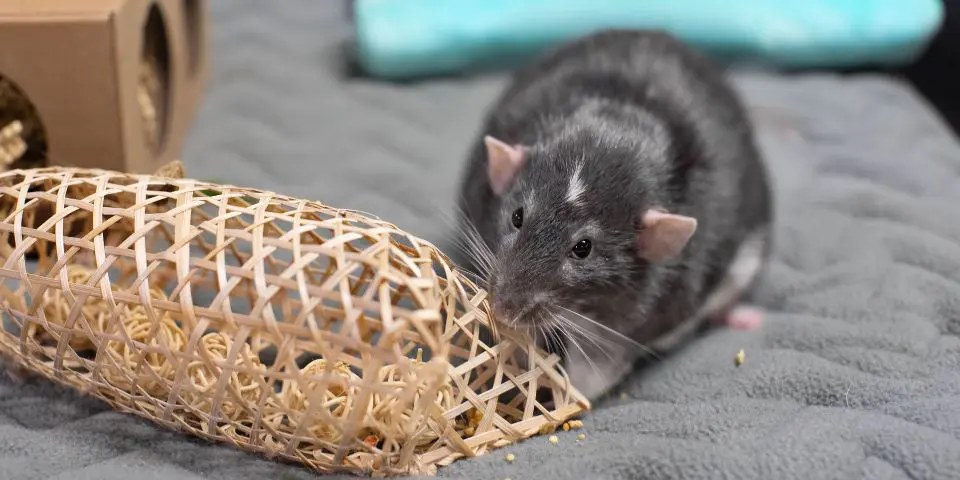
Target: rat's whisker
[[480, 266], [479, 245], [557, 335], [593, 366], [541, 329], [460, 245], [478, 275], [601, 344], [464, 238], [469, 229], [597, 340], [516, 318], [468, 246], [485, 266], [538, 330], [614, 332], [479, 253], [475, 278], [545, 325]]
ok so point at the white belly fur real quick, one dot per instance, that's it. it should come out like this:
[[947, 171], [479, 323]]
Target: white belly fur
[[740, 275]]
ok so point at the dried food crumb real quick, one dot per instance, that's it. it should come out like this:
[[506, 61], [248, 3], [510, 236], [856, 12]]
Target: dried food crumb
[[741, 356]]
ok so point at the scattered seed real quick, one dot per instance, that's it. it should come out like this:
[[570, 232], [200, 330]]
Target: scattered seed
[[475, 416], [741, 356], [581, 437], [553, 439], [566, 426], [548, 428], [469, 431], [576, 424], [511, 457]]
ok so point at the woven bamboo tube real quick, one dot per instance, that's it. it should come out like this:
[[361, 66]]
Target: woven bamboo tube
[[280, 326]]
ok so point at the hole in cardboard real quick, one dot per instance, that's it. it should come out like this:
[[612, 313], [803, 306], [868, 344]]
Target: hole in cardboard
[[154, 95], [23, 139], [194, 28]]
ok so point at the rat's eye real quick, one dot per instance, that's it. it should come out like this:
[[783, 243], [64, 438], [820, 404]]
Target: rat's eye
[[582, 248], [517, 217]]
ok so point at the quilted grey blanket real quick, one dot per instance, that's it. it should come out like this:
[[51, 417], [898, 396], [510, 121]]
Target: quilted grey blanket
[[855, 375]]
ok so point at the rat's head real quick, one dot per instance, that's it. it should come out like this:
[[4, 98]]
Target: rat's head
[[579, 224]]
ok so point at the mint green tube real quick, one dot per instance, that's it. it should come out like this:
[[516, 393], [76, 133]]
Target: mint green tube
[[399, 39]]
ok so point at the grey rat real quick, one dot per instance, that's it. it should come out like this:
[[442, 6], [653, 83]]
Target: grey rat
[[616, 185]]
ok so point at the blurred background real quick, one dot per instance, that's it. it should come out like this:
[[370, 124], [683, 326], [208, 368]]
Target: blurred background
[[390, 93], [372, 105]]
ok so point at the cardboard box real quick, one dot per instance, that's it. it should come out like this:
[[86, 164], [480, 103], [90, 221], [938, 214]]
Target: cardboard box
[[79, 63]]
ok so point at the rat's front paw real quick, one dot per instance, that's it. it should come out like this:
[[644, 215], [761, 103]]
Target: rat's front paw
[[742, 318]]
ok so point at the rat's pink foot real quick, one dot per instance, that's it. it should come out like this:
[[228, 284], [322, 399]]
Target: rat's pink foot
[[742, 318]]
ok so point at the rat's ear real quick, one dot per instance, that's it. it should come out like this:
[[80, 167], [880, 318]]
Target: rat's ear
[[663, 235], [503, 163]]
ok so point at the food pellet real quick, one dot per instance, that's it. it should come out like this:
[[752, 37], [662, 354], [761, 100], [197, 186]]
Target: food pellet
[[553, 439], [741, 356], [469, 431], [511, 457], [581, 437], [576, 424], [566, 426]]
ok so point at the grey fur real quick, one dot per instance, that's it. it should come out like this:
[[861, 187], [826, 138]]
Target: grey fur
[[650, 123]]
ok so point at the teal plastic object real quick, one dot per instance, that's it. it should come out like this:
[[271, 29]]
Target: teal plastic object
[[412, 38]]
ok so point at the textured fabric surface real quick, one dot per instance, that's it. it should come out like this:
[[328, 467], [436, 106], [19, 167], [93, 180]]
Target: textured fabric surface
[[855, 375]]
